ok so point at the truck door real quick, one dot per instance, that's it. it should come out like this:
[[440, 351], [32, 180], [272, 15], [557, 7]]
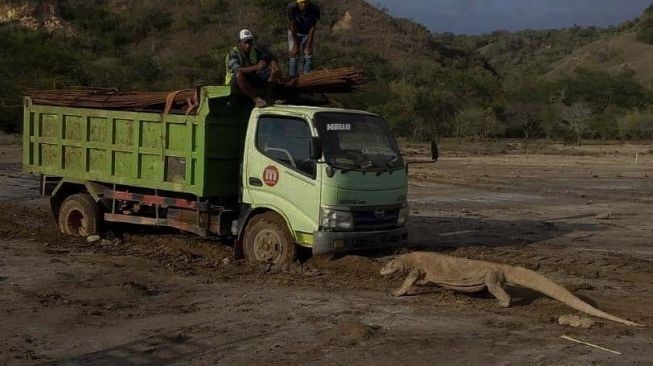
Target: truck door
[[280, 173]]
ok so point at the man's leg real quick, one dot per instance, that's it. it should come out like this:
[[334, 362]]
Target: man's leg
[[308, 63], [308, 58], [262, 81], [293, 60], [276, 76], [275, 79], [246, 87]]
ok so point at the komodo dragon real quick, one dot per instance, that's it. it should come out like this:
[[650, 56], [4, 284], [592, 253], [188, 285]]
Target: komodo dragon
[[467, 275]]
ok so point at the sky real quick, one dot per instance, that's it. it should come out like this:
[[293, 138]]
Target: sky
[[485, 16]]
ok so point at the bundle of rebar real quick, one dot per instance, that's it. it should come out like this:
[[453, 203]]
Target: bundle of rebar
[[186, 101], [177, 101], [340, 80]]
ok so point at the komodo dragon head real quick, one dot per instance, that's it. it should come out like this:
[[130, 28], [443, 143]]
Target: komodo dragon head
[[393, 266]]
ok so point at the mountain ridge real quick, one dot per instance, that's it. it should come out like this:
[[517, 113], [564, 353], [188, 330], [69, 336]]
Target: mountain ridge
[[424, 83]]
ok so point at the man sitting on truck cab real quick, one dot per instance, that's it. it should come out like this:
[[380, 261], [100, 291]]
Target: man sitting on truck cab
[[250, 69]]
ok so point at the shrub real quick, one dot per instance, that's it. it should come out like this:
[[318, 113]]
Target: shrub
[[646, 35], [636, 125], [476, 123]]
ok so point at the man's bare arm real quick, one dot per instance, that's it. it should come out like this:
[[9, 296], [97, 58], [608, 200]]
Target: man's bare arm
[[254, 68], [309, 41], [293, 33]]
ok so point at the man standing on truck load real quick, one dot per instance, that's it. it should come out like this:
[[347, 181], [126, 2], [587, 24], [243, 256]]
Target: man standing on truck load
[[250, 69], [303, 16]]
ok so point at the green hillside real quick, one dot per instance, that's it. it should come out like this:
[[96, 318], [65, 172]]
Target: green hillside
[[621, 53], [158, 45], [618, 54], [425, 84], [533, 52]]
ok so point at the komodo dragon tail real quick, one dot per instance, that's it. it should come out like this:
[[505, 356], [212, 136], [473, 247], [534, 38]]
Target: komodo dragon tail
[[535, 281]]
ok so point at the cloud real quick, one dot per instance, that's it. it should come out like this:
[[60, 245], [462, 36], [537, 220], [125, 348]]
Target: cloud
[[484, 16]]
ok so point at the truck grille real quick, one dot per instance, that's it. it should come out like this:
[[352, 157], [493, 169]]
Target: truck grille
[[375, 219]]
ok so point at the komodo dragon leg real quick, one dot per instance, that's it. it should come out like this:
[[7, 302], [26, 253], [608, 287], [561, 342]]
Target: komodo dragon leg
[[494, 281], [414, 276]]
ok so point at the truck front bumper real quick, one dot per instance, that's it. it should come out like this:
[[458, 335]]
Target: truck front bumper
[[325, 242]]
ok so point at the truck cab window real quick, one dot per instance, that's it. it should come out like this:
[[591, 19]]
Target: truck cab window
[[287, 141]]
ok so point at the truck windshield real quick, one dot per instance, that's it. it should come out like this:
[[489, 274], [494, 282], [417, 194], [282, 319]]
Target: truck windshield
[[357, 142]]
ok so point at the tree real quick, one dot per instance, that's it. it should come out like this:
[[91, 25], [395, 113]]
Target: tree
[[550, 120], [475, 123], [636, 124], [550, 114], [525, 118], [601, 89], [645, 33], [576, 118]]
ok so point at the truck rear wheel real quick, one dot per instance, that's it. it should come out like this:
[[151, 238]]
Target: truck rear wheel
[[79, 215], [267, 239]]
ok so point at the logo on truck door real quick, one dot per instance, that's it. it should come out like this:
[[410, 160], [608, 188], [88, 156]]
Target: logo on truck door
[[271, 175]]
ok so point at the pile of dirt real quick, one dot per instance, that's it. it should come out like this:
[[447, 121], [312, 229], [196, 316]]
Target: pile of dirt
[[183, 254], [356, 265], [208, 250], [350, 332], [21, 222]]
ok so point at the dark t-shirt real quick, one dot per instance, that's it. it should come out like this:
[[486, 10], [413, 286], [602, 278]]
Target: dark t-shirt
[[304, 20]]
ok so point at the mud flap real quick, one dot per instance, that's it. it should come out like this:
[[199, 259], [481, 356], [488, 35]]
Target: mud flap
[[55, 203], [239, 244], [239, 251]]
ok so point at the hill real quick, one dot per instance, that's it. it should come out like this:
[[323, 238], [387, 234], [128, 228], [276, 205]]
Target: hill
[[533, 52], [630, 51], [162, 45], [425, 84], [621, 53]]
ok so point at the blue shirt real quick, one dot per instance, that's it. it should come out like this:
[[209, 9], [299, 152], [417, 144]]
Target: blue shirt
[[304, 20]]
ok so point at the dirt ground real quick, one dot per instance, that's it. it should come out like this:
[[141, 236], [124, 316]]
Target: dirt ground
[[146, 297]]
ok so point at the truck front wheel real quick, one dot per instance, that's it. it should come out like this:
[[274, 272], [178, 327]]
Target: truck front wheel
[[267, 239], [79, 215]]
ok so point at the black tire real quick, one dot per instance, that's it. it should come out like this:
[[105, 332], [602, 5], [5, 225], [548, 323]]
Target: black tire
[[267, 239], [79, 215]]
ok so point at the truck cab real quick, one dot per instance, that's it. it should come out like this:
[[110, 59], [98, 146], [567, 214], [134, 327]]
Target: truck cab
[[335, 176]]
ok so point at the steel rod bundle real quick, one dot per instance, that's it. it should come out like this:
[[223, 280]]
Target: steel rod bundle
[[185, 101], [328, 81], [97, 98]]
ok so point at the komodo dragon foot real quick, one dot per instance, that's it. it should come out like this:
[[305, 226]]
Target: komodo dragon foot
[[414, 276], [494, 281]]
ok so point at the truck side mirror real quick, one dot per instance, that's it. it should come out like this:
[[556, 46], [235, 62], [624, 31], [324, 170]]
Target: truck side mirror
[[315, 150], [435, 154]]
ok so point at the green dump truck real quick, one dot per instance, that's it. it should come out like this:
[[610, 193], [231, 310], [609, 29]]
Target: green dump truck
[[270, 179]]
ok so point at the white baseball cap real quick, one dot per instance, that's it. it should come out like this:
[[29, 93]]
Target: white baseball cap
[[245, 35]]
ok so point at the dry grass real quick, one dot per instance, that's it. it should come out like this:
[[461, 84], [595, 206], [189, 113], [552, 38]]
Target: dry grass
[[610, 55]]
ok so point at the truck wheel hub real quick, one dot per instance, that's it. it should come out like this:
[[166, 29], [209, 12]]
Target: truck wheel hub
[[76, 221], [267, 246]]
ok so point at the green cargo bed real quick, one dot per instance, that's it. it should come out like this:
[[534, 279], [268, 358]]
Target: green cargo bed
[[197, 154]]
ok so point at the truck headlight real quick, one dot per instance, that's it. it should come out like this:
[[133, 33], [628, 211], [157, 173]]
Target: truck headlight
[[403, 216], [334, 219]]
